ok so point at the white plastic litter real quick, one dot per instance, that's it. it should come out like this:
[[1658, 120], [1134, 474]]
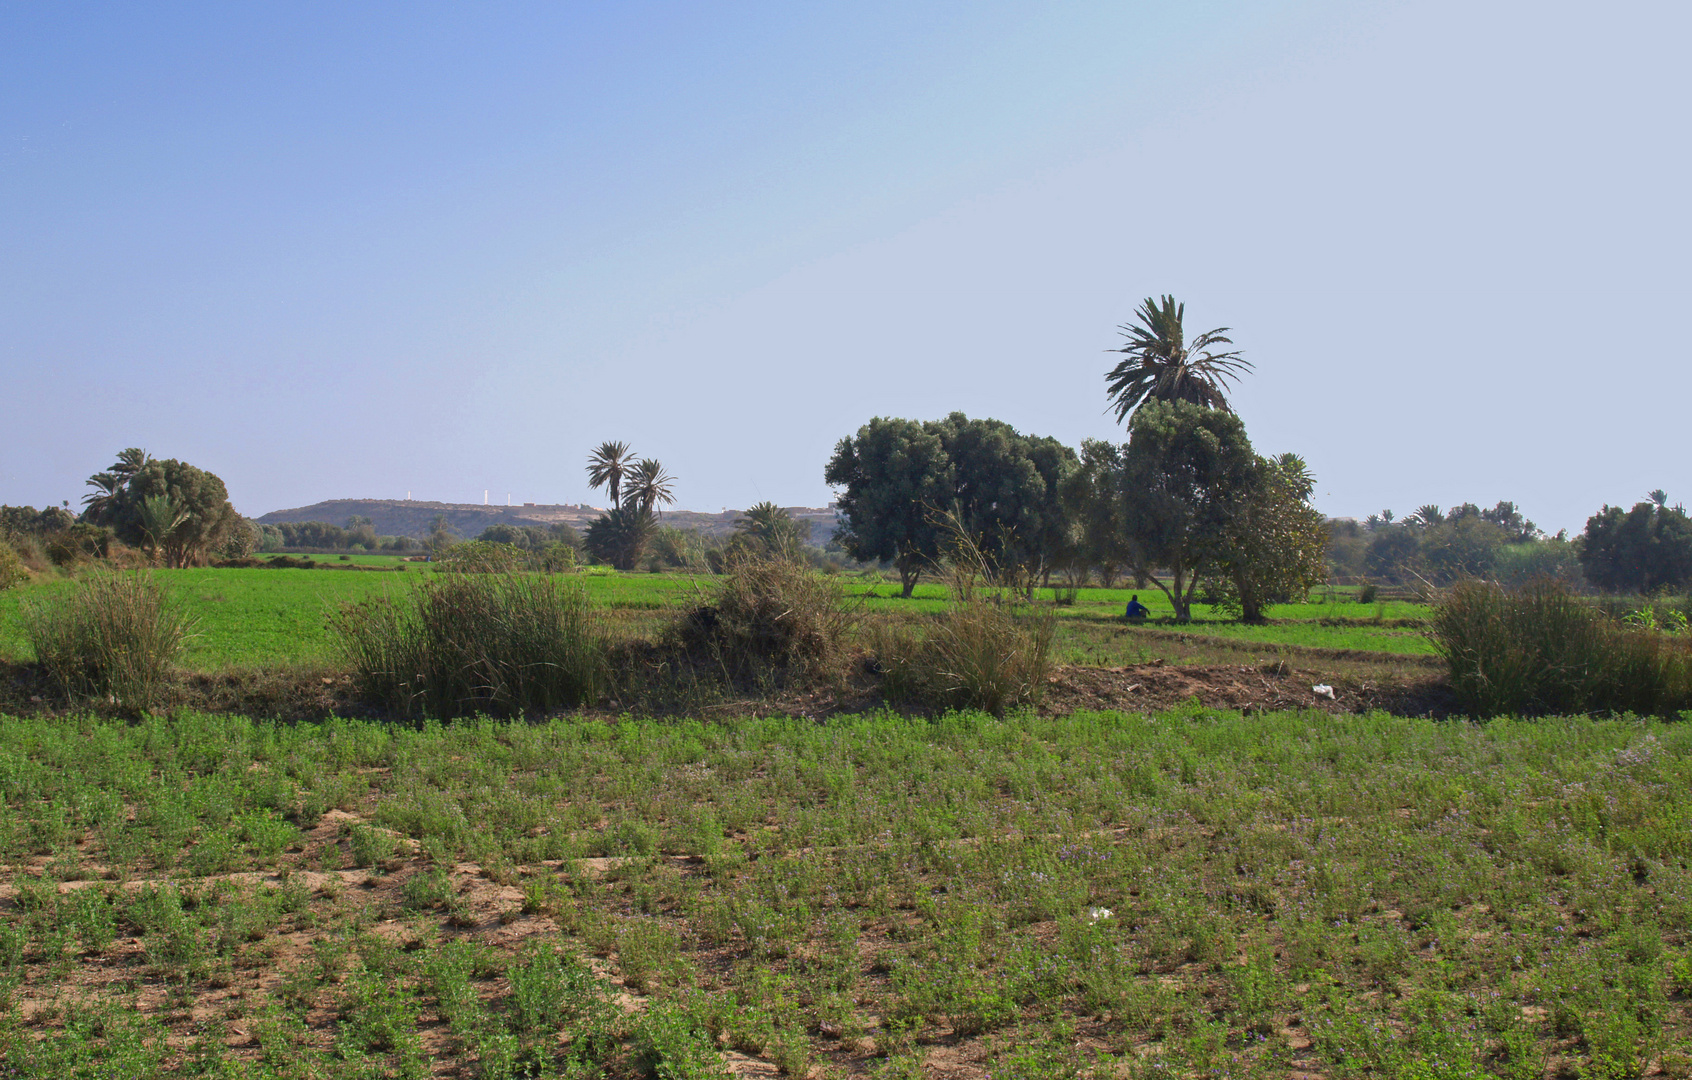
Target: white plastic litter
[[1325, 690], [1098, 913]]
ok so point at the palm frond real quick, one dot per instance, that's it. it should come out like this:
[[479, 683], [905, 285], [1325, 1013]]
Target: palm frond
[[1161, 365]]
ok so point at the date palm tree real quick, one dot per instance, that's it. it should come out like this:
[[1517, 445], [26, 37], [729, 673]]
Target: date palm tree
[[649, 485], [1427, 515], [1159, 364], [607, 466], [106, 486]]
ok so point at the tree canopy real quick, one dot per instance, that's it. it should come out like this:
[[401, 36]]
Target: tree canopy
[[1188, 473], [896, 475], [902, 478], [1640, 550], [1277, 540], [171, 509]]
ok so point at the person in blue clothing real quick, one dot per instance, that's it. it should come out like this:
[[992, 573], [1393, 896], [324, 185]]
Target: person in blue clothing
[[1136, 610]]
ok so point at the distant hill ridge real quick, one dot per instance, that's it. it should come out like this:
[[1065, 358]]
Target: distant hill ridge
[[405, 517]]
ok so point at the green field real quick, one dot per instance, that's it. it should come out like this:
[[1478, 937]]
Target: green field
[[255, 617], [1104, 895]]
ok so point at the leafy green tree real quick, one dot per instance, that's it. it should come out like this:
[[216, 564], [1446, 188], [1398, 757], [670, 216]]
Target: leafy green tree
[[1006, 492], [1159, 364], [607, 466], [1645, 549], [1092, 498], [1188, 473], [241, 540], [649, 486], [441, 536], [620, 538], [1517, 528], [1464, 545], [1393, 552], [982, 476], [27, 521], [896, 476], [169, 507], [1277, 540]]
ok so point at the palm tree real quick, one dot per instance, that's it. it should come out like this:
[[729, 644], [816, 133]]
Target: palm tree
[[160, 517], [106, 486], [607, 466], [1427, 515], [1297, 472], [1160, 365], [129, 462], [649, 485], [771, 528], [620, 537]]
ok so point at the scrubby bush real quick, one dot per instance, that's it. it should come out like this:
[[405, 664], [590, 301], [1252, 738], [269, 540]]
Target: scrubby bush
[[769, 616], [78, 543], [114, 637], [12, 569], [499, 642], [977, 654], [1541, 649]]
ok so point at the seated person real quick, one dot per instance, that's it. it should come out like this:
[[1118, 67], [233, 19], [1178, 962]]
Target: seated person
[[1136, 610]]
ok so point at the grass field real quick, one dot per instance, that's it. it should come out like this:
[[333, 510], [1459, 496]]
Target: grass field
[[252, 617], [1192, 894]]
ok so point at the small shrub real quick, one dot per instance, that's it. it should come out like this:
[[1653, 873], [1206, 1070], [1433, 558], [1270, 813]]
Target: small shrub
[[1367, 594], [502, 642], [78, 544], [1542, 650], [769, 616], [116, 636], [12, 569], [371, 845]]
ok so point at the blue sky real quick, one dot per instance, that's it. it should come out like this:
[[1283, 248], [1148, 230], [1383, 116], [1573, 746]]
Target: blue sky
[[359, 250]]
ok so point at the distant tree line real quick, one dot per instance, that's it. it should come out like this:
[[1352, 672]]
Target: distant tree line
[[358, 534], [1646, 549]]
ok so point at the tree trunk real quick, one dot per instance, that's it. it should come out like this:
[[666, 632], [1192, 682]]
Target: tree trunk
[[907, 579]]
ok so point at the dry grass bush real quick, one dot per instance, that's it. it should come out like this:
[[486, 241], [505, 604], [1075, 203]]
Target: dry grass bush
[[484, 642], [114, 637], [975, 655], [979, 653], [769, 617], [1542, 650]]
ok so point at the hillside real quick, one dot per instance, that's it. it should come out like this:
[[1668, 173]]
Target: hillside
[[404, 517]]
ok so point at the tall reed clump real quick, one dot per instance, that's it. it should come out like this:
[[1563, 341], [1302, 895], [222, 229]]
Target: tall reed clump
[[768, 617], [114, 637], [974, 655], [979, 653], [463, 643], [1540, 649]]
